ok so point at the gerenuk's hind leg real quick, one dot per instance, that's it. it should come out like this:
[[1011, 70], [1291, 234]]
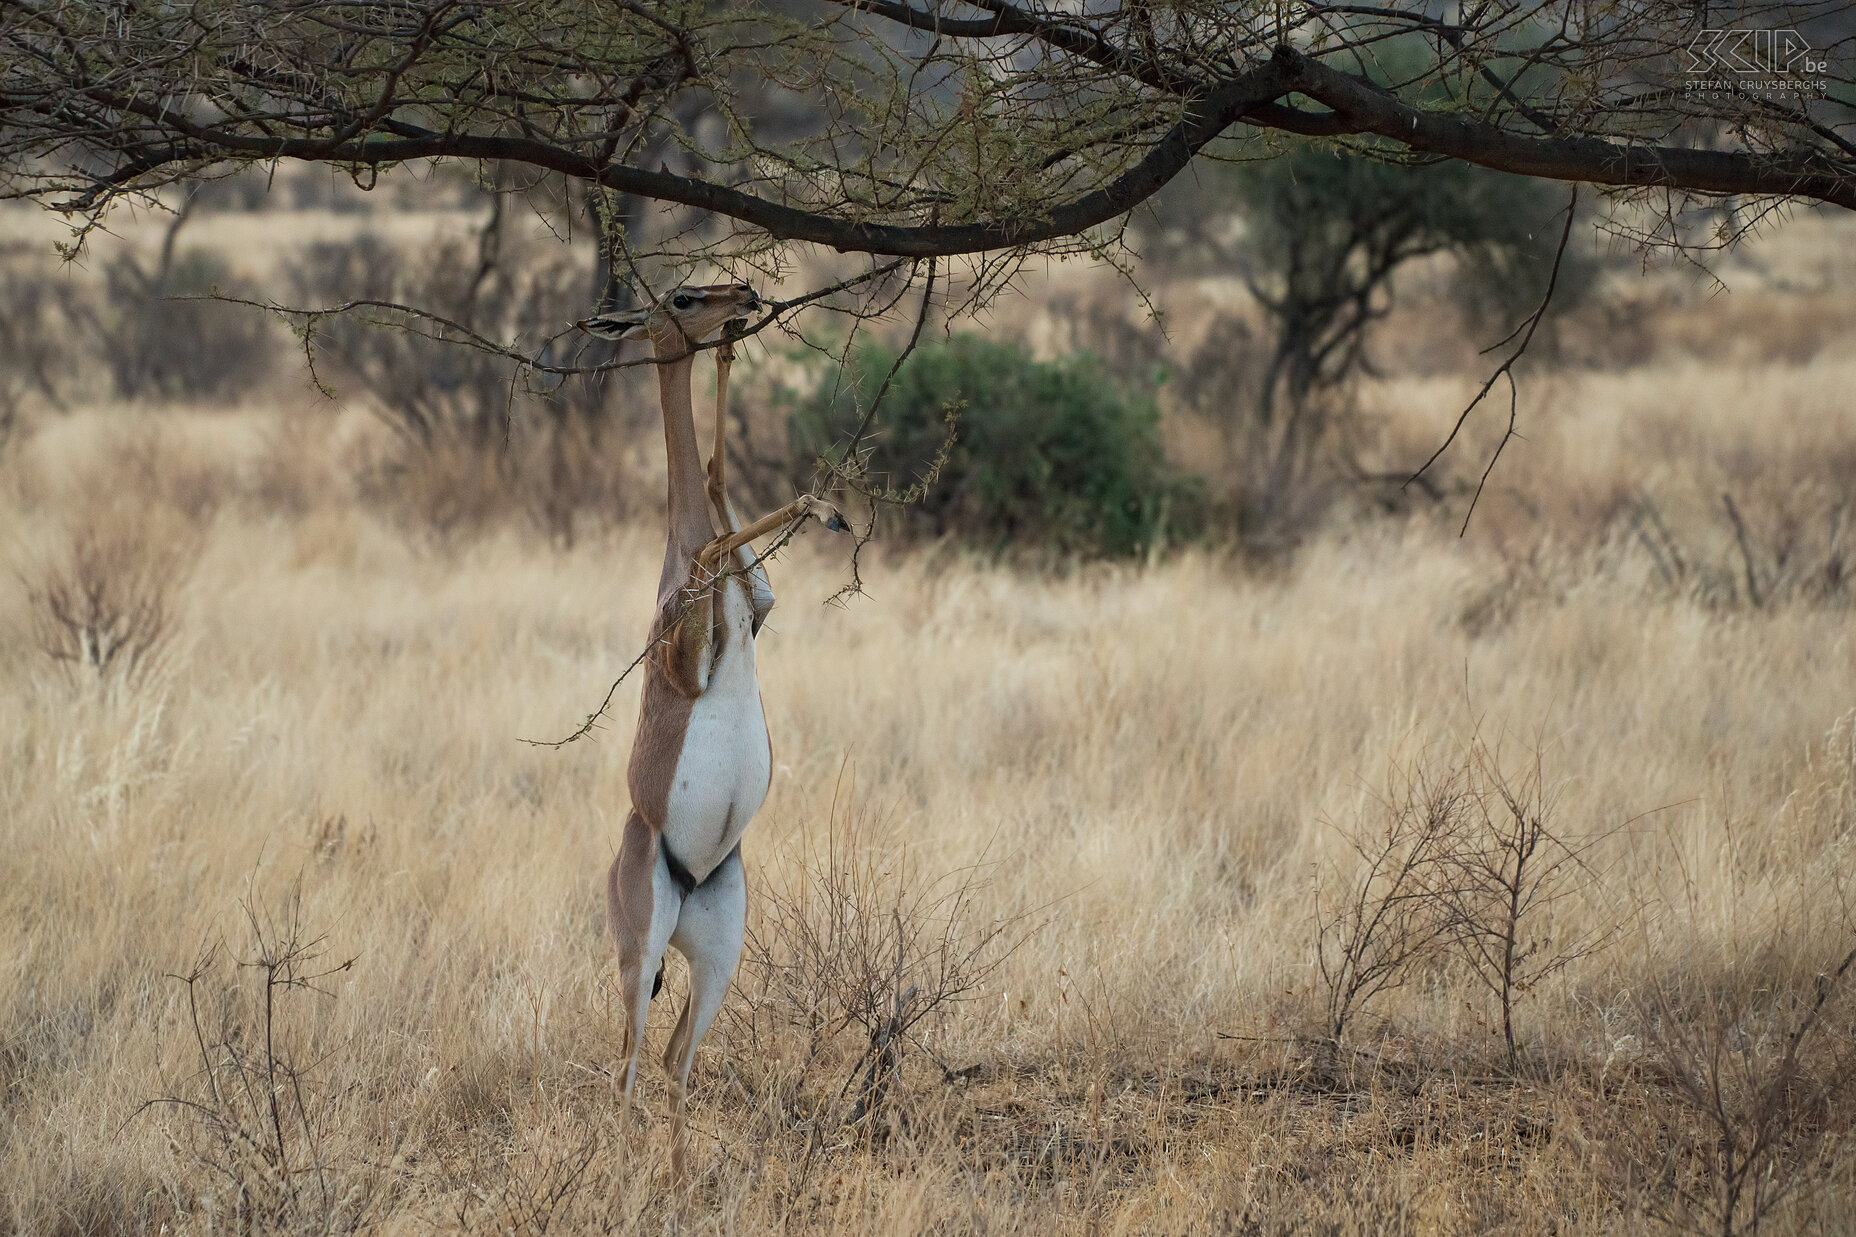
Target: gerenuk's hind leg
[[641, 911], [708, 934]]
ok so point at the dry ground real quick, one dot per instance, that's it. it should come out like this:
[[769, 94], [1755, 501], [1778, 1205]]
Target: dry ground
[[1139, 777]]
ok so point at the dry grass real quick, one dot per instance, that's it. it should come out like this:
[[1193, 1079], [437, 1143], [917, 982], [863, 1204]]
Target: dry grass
[[1141, 771]]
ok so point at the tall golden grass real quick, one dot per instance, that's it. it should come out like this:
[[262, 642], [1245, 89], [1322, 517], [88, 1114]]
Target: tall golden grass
[[299, 935]]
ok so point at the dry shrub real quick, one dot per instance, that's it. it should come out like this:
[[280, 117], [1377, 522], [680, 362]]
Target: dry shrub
[[1784, 545], [150, 327], [1378, 920], [107, 605], [857, 956], [559, 479], [447, 491], [1733, 1112], [1733, 1108], [163, 333], [39, 317], [256, 1112], [299, 470], [549, 1180], [1625, 328], [169, 478], [1760, 325], [1507, 869], [1461, 863], [1769, 548]]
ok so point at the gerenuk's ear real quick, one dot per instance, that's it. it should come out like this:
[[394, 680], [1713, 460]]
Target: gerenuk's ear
[[625, 324]]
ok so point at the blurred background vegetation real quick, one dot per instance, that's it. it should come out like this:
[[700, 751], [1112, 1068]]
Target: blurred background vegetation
[[1230, 394]]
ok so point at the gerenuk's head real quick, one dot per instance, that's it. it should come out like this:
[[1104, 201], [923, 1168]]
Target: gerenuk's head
[[681, 318]]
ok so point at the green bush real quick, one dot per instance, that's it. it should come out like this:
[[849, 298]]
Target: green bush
[[1048, 455]]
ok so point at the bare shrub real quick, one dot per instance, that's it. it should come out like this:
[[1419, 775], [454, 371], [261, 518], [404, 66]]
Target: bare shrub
[[447, 489], [1502, 874], [559, 479], [254, 1111], [539, 1185], [851, 938], [164, 476], [1462, 861], [161, 331], [107, 604], [38, 318], [154, 329], [1382, 918], [163, 335]]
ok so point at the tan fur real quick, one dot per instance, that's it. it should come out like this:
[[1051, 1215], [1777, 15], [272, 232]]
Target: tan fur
[[717, 486], [679, 1046], [663, 715], [728, 543], [629, 905]]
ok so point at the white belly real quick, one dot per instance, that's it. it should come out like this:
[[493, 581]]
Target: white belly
[[725, 766]]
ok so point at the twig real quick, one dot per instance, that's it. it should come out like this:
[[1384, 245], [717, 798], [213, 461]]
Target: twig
[[451, 331], [921, 320], [1506, 370], [850, 472]]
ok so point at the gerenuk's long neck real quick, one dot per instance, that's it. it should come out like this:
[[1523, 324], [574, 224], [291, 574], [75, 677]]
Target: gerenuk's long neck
[[690, 525]]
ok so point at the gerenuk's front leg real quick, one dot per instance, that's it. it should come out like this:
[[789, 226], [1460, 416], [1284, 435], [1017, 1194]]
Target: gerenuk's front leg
[[760, 588], [717, 480], [801, 507]]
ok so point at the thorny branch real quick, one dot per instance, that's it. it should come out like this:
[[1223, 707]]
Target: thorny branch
[[1505, 370], [882, 127], [450, 331], [985, 130], [851, 471]]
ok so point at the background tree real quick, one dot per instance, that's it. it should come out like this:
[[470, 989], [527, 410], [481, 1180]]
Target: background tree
[[1318, 234]]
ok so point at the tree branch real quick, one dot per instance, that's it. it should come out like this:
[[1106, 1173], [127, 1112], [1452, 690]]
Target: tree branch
[[1594, 160], [85, 119], [1204, 120]]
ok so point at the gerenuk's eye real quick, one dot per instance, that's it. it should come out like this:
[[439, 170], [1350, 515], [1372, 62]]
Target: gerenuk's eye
[[681, 301]]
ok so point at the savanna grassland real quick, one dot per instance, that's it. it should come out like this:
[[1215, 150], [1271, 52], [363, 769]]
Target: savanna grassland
[[1152, 897]]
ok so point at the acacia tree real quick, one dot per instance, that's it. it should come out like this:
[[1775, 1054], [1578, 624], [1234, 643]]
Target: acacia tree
[[916, 128], [913, 130]]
